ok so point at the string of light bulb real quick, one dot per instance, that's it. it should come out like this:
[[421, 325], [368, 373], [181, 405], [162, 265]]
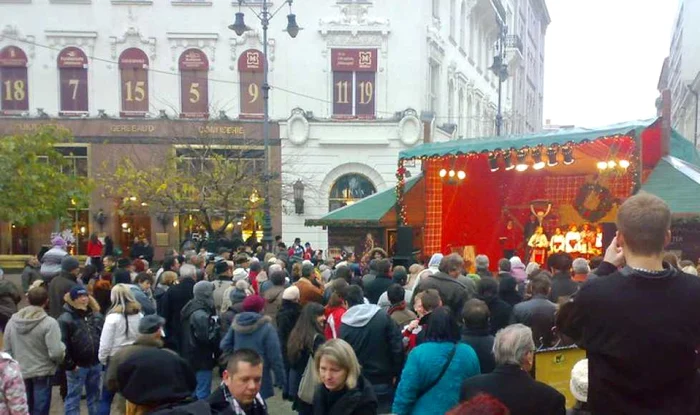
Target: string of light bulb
[[518, 159], [452, 174], [612, 164]]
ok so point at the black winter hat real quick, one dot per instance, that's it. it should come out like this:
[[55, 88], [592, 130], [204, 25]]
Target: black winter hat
[[136, 374], [69, 263]]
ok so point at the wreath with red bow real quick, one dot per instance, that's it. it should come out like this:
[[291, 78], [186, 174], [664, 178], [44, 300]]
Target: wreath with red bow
[[605, 202]]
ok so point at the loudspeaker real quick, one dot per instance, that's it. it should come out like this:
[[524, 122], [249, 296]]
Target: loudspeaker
[[404, 242], [609, 232]]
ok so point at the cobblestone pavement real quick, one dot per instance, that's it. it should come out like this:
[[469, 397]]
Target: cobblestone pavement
[[275, 405]]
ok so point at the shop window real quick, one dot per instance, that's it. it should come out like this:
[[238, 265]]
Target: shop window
[[14, 87], [354, 86], [194, 84], [349, 189], [73, 81]]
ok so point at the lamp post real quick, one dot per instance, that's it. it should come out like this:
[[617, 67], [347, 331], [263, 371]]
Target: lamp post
[[299, 197], [239, 27], [500, 68]]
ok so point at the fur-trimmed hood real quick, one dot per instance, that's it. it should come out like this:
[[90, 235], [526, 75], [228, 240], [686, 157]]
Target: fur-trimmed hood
[[70, 305], [131, 309], [249, 322]]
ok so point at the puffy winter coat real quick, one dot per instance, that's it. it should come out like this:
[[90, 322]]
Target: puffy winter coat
[[423, 366], [80, 331], [254, 331], [51, 263], [34, 340]]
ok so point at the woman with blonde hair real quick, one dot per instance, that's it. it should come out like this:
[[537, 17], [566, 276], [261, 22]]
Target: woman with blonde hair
[[343, 389], [120, 329]]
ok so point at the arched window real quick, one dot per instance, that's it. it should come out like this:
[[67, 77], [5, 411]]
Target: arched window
[[73, 76], [349, 189], [133, 66], [194, 84], [250, 66], [14, 88]]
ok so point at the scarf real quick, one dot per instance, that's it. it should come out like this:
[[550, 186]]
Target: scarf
[[258, 405], [398, 307]]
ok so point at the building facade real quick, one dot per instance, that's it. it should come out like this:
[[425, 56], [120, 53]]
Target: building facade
[[681, 71], [362, 81], [432, 82]]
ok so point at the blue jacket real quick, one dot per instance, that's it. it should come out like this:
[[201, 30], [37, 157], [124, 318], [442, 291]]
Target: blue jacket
[[424, 364], [254, 331]]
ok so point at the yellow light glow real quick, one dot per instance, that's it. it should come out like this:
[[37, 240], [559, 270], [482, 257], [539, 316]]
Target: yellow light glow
[[624, 164], [612, 164], [539, 165], [602, 165], [521, 167], [451, 173], [125, 225], [461, 175], [443, 173]]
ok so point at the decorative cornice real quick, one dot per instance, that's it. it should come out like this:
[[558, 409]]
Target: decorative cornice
[[354, 27], [132, 37], [179, 42], [59, 39], [11, 35], [252, 39]]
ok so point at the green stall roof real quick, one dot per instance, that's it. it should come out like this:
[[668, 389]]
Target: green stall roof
[[366, 212], [547, 138], [677, 183]]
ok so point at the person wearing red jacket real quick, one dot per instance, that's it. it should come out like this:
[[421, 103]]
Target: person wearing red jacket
[[94, 251], [335, 309]]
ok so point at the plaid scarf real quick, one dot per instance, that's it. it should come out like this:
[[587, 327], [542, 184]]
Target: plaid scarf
[[258, 406]]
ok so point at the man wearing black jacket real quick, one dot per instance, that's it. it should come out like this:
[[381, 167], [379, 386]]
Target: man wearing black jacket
[[640, 325], [377, 342], [172, 303], [81, 327], [381, 282]]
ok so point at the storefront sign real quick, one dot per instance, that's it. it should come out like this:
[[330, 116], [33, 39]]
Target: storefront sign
[[354, 60], [94, 128]]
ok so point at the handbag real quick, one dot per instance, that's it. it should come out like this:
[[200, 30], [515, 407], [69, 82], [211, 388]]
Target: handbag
[[442, 373], [309, 380]]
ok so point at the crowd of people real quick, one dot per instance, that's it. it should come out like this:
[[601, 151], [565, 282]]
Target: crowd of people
[[342, 336]]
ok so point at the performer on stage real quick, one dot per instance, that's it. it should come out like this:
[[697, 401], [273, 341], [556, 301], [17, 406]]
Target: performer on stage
[[573, 240], [588, 237], [538, 244], [557, 242], [598, 240], [509, 242]]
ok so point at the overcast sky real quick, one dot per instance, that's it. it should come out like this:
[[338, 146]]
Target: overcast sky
[[603, 59]]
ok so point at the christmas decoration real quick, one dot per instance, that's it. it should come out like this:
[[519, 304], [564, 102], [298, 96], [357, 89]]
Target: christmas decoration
[[602, 194]]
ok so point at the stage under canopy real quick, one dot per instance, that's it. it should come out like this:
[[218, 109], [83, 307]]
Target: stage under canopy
[[473, 187]]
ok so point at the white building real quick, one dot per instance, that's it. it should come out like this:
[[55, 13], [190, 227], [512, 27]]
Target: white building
[[682, 69], [363, 80]]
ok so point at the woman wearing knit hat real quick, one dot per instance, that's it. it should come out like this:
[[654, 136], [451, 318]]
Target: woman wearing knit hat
[[252, 330], [233, 301]]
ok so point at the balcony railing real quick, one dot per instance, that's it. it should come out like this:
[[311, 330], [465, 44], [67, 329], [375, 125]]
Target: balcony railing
[[514, 42]]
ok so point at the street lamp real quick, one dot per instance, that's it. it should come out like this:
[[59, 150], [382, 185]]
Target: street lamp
[[239, 27], [299, 197], [500, 69]]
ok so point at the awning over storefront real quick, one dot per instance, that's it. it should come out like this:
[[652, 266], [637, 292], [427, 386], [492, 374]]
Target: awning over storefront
[[677, 183], [367, 212]]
